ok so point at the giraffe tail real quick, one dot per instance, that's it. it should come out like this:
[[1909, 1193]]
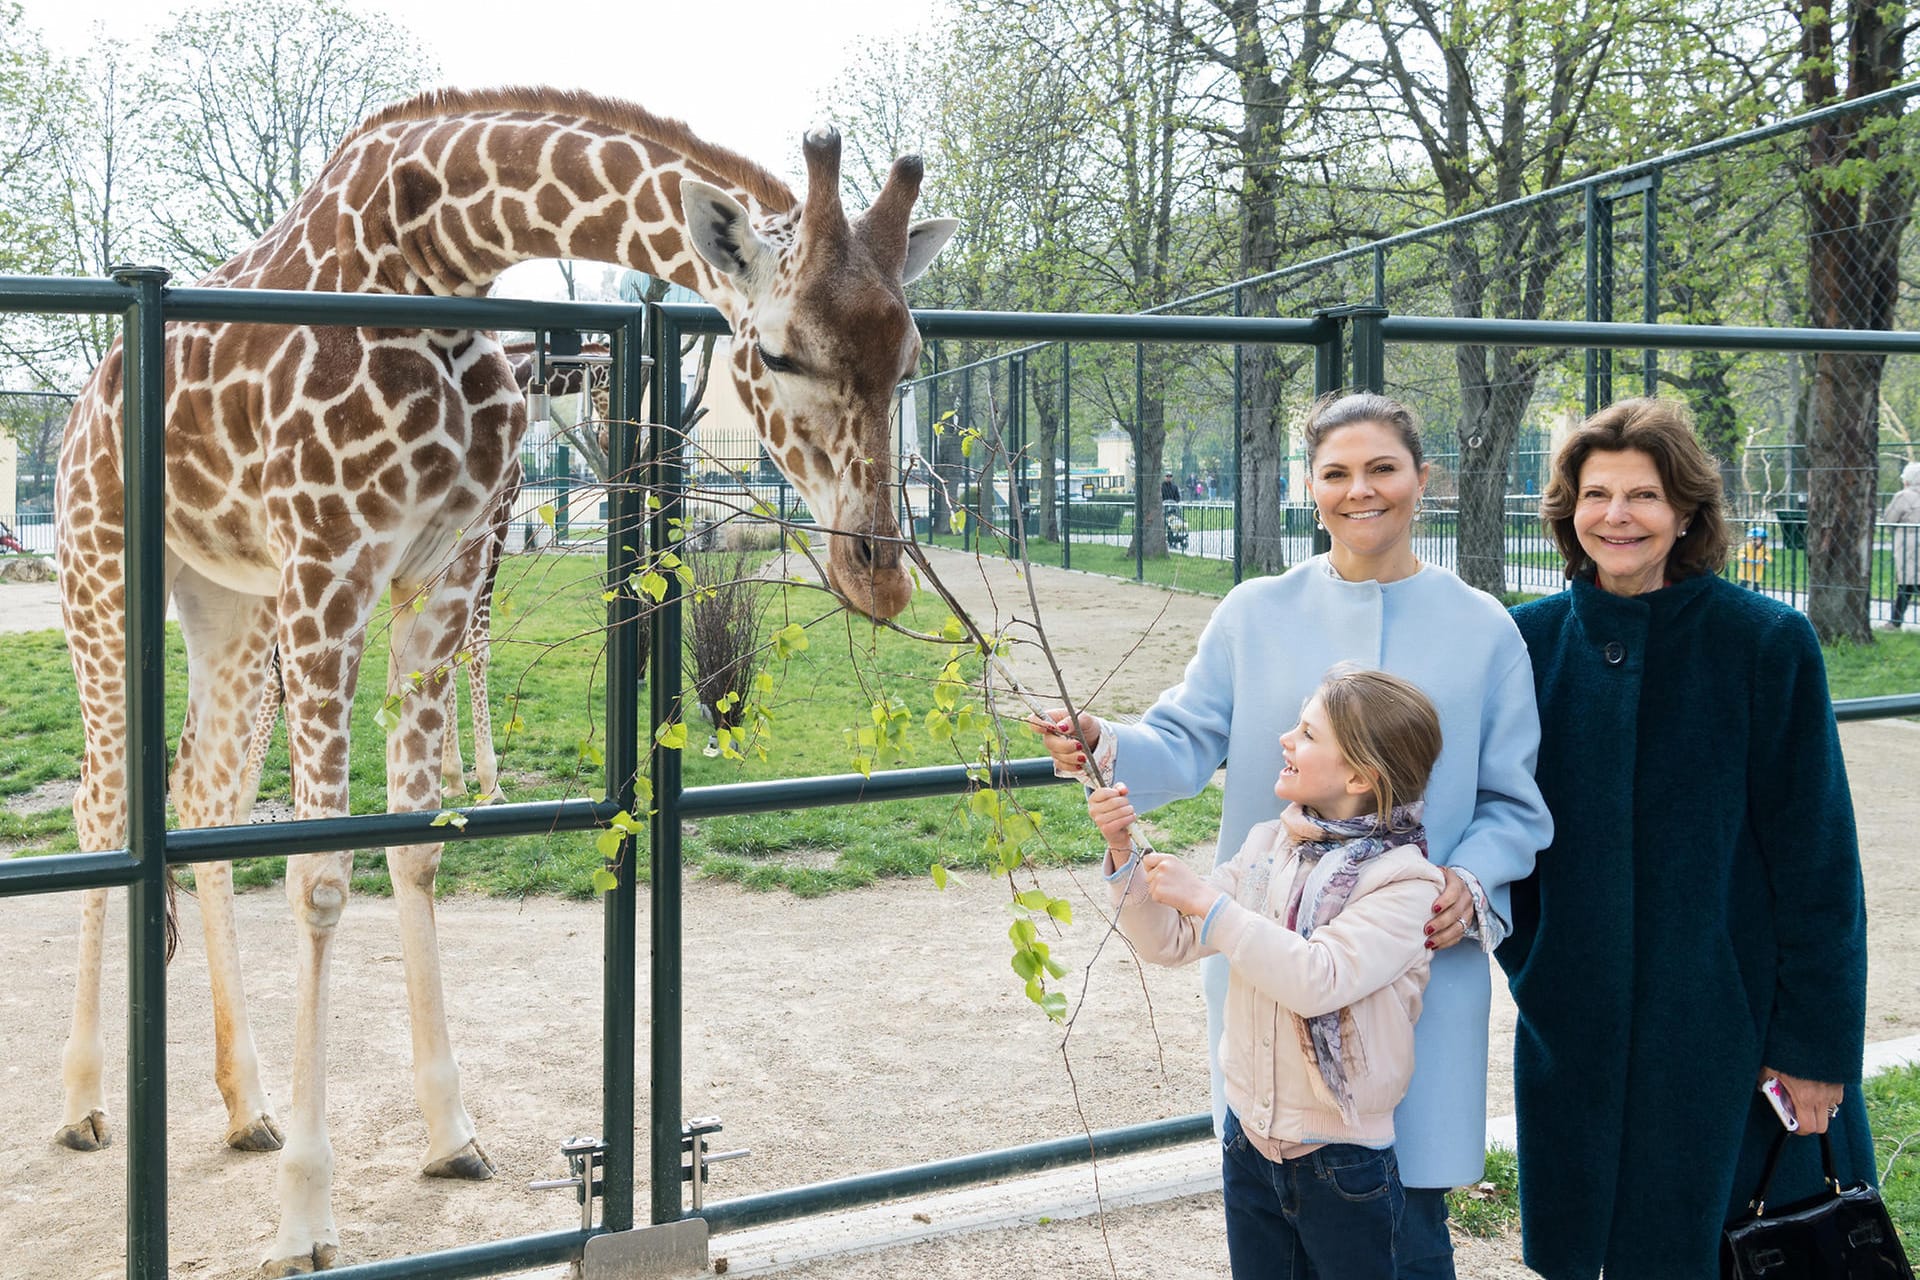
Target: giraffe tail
[[173, 915]]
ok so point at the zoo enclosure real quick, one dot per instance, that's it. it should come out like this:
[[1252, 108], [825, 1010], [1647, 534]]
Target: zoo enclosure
[[1345, 348]]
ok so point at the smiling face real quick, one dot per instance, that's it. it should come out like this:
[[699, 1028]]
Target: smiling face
[[1316, 774], [1367, 488], [1624, 521]]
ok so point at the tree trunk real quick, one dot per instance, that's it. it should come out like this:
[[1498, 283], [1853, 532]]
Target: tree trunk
[[1151, 440], [1858, 202]]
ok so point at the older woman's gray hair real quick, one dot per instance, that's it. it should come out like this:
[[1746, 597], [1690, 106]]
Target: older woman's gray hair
[[1910, 475]]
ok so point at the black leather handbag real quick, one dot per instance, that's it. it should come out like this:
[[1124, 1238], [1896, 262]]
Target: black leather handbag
[[1843, 1233]]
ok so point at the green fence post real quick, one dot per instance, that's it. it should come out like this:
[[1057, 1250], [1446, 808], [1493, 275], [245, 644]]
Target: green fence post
[[1329, 369], [563, 489], [666, 482], [1066, 455], [1369, 348], [1140, 478], [1650, 278], [621, 940], [1598, 223], [144, 472], [1017, 457], [1239, 431]]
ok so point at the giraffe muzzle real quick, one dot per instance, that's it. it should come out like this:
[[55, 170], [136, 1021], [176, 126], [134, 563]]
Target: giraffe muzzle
[[866, 570]]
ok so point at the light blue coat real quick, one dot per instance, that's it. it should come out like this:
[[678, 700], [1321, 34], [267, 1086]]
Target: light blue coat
[[1263, 653]]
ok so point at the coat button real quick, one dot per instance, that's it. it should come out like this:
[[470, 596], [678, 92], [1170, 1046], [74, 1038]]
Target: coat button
[[1615, 653]]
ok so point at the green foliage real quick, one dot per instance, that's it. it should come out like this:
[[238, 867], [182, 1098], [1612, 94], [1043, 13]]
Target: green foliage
[[1491, 1206], [1893, 1113]]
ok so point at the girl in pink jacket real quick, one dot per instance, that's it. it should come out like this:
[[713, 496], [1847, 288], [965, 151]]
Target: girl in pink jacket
[[1323, 917]]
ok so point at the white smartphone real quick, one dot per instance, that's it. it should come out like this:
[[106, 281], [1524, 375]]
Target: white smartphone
[[1776, 1093]]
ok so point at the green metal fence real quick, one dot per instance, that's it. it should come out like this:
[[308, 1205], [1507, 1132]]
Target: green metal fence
[[1344, 348]]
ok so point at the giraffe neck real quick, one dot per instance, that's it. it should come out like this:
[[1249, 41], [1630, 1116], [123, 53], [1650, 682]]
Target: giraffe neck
[[442, 202]]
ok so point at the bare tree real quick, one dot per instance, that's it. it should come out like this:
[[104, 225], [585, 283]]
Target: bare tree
[[245, 102]]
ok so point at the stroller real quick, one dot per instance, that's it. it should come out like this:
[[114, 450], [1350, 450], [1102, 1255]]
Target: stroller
[[8, 542], [1176, 522]]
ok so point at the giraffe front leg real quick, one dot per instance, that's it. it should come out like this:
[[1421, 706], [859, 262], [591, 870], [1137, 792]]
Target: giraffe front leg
[[83, 1124], [307, 1239]]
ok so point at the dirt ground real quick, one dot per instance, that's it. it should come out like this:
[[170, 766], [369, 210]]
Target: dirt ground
[[834, 1036]]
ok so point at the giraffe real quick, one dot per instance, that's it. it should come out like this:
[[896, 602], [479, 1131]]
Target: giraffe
[[313, 470]]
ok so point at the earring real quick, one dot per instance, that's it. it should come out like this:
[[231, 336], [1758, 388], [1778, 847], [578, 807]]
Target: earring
[[1318, 523], [1683, 533]]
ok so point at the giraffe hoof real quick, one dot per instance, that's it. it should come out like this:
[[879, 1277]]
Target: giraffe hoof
[[257, 1134], [300, 1264], [90, 1134], [469, 1162]]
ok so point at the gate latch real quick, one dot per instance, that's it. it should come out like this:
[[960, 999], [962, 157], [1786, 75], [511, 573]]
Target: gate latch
[[693, 1144], [584, 1158]]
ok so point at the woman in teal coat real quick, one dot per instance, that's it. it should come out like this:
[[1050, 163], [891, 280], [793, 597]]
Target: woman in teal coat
[[1698, 922]]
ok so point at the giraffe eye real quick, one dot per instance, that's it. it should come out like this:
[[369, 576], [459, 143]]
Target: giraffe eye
[[774, 363]]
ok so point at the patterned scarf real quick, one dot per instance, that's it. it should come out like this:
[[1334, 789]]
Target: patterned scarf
[[1354, 842]]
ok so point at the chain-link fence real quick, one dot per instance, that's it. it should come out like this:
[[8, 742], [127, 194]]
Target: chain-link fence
[[1799, 225]]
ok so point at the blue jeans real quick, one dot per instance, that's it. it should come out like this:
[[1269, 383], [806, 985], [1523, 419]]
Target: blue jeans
[[1334, 1214], [1426, 1250]]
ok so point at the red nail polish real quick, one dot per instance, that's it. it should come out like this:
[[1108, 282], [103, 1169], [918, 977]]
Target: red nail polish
[[1429, 931], [1436, 908], [1429, 944]]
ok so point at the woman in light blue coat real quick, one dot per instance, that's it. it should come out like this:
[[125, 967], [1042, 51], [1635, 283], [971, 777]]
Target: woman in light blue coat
[[1369, 601]]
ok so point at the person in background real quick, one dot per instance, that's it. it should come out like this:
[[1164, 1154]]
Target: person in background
[[1169, 491], [1750, 563], [1321, 918], [1697, 926], [1369, 600], [1903, 514]]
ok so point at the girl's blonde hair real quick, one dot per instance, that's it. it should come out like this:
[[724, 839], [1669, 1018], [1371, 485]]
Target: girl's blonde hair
[[1386, 728]]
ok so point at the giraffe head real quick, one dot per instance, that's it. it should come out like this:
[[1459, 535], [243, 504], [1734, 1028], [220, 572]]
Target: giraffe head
[[822, 338]]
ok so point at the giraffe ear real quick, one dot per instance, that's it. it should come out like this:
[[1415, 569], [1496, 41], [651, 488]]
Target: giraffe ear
[[718, 227], [925, 240]]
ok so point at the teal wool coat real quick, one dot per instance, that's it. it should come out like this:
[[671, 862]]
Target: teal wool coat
[[1699, 913]]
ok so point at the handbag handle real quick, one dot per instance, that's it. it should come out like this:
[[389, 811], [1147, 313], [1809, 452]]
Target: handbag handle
[[1759, 1202]]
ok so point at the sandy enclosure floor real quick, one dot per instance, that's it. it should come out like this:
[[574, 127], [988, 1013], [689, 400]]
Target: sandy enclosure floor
[[834, 1036]]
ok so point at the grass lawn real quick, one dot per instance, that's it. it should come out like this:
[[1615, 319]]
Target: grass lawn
[[547, 676], [1893, 1110], [547, 696]]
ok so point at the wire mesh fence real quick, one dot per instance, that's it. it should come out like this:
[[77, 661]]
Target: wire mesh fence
[[1753, 232]]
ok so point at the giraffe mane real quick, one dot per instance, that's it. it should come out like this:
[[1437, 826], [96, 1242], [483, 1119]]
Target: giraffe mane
[[629, 117]]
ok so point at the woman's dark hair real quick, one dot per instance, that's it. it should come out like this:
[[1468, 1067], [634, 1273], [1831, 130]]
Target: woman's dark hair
[[1663, 430], [1339, 409]]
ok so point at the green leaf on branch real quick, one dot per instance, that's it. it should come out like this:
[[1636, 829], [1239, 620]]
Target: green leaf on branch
[[939, 873], [604, 881], [789, 640], [449, 818], [546, 514], [672, 736]]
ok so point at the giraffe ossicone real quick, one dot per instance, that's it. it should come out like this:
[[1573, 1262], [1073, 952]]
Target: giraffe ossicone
[[313, 473]]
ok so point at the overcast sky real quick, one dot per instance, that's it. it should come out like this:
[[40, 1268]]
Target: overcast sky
[[749, 74], [746, 73]]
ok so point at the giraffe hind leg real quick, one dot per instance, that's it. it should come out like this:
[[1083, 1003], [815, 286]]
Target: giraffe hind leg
[[232, 686], [427, 640]]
